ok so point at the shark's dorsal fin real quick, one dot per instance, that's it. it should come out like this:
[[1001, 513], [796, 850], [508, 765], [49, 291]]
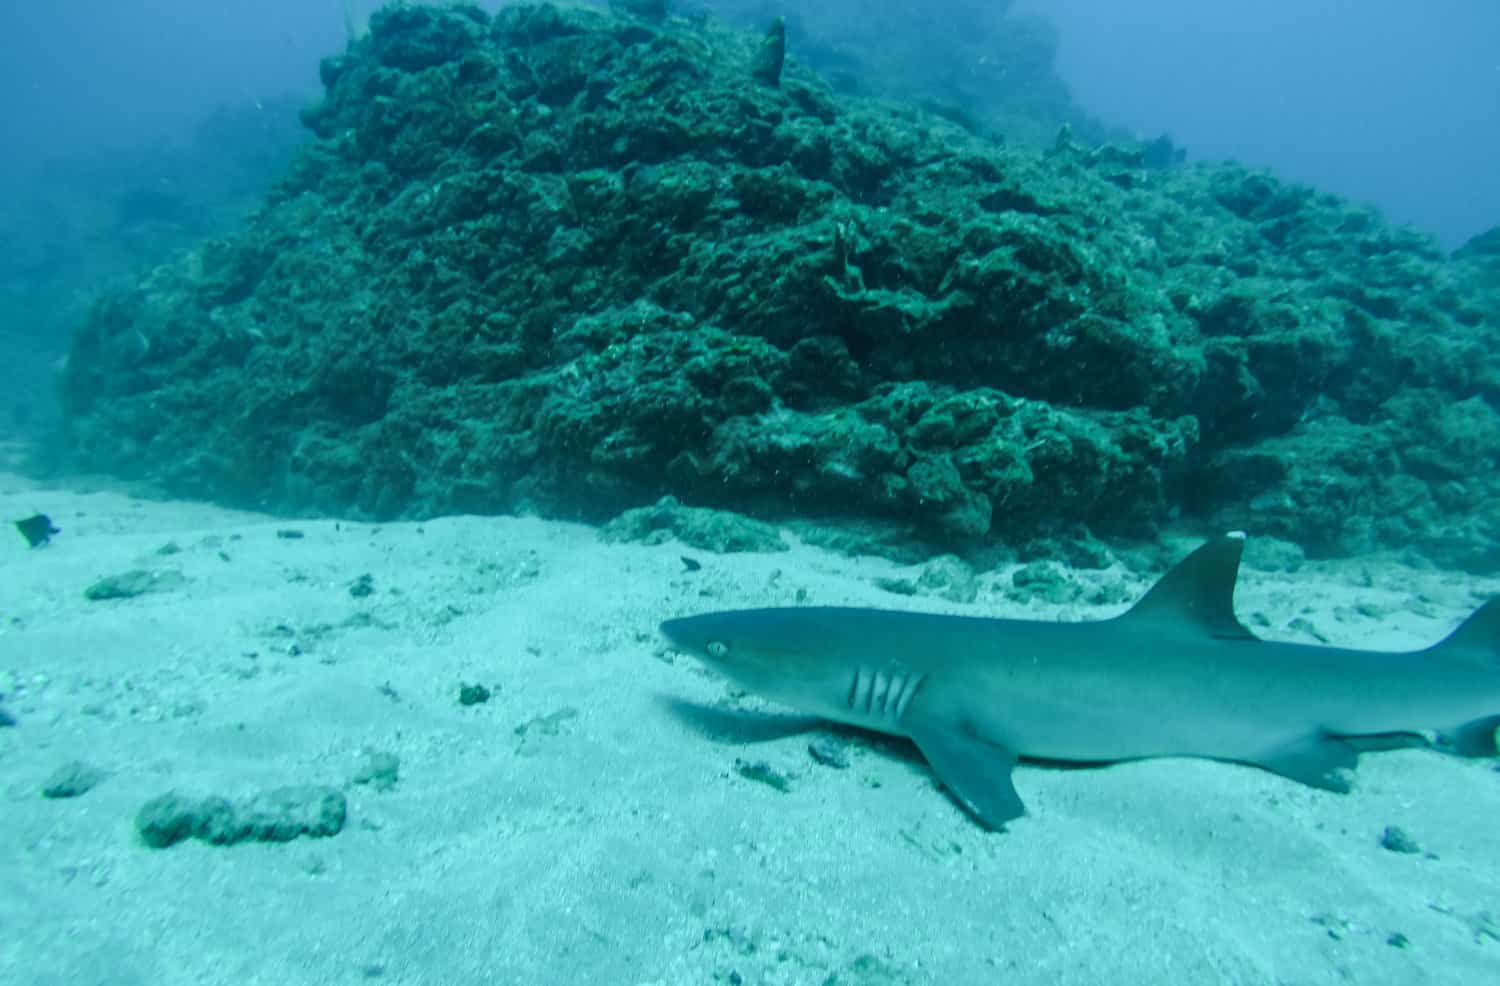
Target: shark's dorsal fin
[[1477, 638], [1199, 591]]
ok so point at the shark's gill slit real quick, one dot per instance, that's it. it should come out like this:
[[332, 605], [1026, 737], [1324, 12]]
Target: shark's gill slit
[[909, 686], [859, 692], [864, 683], [882, 694]]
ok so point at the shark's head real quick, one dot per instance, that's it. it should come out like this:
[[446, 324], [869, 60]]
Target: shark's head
[[787, 654]]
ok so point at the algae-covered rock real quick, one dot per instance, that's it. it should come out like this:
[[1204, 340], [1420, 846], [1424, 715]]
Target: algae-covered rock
[[569, 261], [711, 530], [278, 815]]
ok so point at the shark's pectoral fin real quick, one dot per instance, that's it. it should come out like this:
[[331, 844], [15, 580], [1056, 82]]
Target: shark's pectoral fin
[[976, 773], [1317, 760]]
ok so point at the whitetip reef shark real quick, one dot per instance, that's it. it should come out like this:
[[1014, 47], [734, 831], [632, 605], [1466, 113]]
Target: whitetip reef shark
[[1177, 675]]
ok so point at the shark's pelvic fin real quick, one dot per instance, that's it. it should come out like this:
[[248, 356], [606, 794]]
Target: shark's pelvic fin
[[1318, 760], [1199, 591], [1473, 739], [976, 773]]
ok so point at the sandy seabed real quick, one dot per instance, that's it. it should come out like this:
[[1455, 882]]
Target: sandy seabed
[[590, 822]]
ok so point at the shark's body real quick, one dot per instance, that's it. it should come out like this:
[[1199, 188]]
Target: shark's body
[[1176, 675]]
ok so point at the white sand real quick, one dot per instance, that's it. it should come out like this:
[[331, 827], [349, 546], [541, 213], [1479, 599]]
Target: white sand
[[616, 843]]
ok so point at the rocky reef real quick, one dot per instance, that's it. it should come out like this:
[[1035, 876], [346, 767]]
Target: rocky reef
[[570, 261], [106, 212]]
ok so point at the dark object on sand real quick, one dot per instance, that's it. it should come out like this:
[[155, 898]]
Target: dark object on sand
[[1396, 840], [472, 694], [136, 582], [772, 54], [37, 529]]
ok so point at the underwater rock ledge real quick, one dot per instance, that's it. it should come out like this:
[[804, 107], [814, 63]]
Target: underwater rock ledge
[[561, 260]]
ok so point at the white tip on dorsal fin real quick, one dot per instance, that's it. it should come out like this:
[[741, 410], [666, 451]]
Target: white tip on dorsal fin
[[1199, 590]]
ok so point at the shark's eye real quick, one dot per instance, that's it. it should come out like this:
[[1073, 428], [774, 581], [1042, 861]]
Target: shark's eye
[[717, 648]]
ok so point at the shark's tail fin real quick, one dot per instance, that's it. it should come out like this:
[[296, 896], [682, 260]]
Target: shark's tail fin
[[1477, 639]]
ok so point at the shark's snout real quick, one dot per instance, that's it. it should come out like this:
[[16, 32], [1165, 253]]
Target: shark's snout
[[679, 633], [705, 637]]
